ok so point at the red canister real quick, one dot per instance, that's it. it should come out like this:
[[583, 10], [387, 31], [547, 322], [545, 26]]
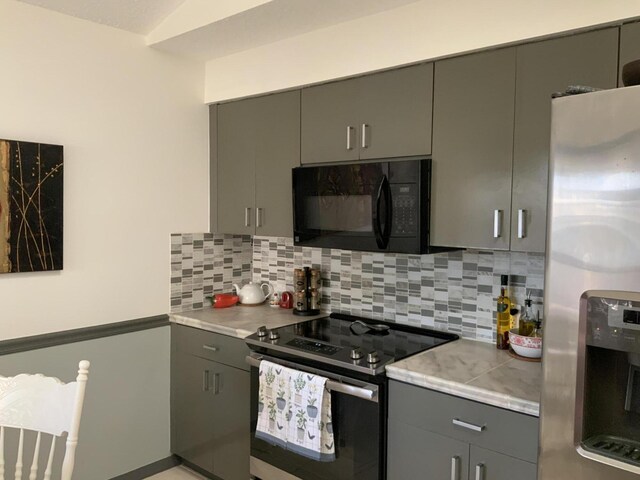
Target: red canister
[[286, 300]]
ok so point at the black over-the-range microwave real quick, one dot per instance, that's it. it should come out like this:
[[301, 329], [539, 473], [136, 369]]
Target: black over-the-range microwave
[[375, 206]]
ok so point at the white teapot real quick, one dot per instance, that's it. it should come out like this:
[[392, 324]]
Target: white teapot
[[252, 293]]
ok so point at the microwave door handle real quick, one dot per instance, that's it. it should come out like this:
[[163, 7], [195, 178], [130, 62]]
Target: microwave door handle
[[386, 234], [382, 237]]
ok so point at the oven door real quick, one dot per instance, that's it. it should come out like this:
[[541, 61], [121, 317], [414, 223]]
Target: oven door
[[359, 430]]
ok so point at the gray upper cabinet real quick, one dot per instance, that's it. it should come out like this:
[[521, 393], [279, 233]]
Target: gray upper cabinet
[[382, 115], [542, 69], [629, 45], [473, 116], [258, 143]]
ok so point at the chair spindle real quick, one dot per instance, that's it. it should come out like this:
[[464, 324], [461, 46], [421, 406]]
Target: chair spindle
[[47, 472], [33, 473]]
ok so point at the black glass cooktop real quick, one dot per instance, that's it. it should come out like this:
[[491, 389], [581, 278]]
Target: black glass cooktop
[[333, 339]]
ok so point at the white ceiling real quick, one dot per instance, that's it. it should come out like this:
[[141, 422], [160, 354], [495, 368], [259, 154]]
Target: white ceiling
[[137, 16], [246, 27], [270, 22]]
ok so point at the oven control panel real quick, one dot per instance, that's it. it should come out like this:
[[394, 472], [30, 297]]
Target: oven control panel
[[312, 346]]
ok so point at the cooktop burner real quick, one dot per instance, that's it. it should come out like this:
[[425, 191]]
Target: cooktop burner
[[349, 342]]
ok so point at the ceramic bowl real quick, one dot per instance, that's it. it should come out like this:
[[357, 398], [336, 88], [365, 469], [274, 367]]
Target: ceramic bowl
[[529, 347], [631, 73]]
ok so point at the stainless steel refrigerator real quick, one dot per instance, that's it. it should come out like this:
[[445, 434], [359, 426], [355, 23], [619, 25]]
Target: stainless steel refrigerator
[[590, 409]]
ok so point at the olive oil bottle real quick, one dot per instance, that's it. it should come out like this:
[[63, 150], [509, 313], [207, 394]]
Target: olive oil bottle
[[503, 319]]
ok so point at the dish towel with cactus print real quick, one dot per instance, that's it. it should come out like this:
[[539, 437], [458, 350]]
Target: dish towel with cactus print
[[294, 411]]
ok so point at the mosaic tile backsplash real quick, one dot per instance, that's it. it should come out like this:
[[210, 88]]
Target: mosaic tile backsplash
[[454, 291], [203, 264]]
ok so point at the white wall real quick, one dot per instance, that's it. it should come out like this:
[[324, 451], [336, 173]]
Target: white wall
[[419, 31], [135, 132]]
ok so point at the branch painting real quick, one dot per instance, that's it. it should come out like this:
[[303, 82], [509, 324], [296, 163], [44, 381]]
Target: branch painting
[[31, 181]]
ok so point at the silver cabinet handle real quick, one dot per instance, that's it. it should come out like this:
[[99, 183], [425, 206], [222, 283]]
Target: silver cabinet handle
[[211, 348], [205, 381], [349, 135], [522, 223], [247, 217], [467, 425], [497, 223], [259, 217], [454, 468], [480, 471], [216, 383], [364, 135]]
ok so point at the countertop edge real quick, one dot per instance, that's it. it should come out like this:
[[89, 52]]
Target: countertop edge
[[208, 326], [464, 390]]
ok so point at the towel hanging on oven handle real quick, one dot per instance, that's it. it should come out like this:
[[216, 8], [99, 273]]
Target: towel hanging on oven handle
[[370, 394]]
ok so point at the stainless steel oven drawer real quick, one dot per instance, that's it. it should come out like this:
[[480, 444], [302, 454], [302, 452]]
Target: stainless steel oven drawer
[[482, 425], [212, 346]]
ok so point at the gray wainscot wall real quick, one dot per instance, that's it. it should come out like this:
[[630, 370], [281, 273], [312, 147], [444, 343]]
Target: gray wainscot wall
[[125, 421]]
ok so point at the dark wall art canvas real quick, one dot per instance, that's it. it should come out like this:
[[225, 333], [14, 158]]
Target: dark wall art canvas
[[30, 206]]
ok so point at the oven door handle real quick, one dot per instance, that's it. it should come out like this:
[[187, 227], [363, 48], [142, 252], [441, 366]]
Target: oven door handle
[[370, 394]]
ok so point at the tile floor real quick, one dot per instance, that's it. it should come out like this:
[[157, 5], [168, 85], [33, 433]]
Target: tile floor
[[177, 473]]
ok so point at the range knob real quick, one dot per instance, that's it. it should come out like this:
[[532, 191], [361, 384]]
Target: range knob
[[274, 335], [356, 353], [262, 331], [373, 357]]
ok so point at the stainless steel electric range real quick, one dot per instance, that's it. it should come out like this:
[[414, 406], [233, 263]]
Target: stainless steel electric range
[[352, 352]]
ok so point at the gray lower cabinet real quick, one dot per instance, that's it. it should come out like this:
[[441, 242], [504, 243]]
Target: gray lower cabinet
[[473, 110], [543, 68], [257, 143], [629, 45], [438, 436], [381, 115], [210, 402]]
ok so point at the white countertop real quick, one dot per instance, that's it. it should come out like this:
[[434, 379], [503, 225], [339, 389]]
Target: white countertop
[[476, 371], [464, 368], [238, 321]]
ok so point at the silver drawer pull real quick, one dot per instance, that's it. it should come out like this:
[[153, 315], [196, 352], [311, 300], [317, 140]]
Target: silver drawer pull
[[454, 468], [211, 348], [205, 381], [247, 217], [480, 471], [467, 425]]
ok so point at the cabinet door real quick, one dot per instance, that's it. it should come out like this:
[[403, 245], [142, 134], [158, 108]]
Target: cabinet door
[[232, 425], [277, 133], [544, 68], [330, 122], [416, 453], [192, 403], [473, 108], [629, 45], [488, 465], [236, 175], [395, 112]]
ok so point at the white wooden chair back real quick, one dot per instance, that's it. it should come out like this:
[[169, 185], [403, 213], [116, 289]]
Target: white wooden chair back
[[46, 406]]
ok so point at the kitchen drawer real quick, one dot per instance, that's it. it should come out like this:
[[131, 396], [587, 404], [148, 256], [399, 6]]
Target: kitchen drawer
[[503, 431], [213, 346]]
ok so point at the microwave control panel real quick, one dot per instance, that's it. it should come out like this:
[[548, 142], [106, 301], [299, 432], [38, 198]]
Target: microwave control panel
[[405, 209]]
